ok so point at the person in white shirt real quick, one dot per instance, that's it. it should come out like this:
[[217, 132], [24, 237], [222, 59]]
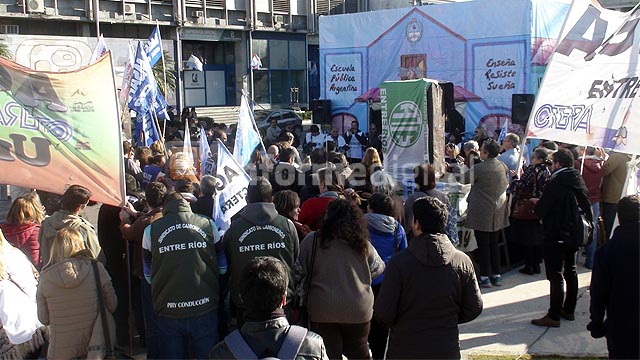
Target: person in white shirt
[[357, 142], [314, 139], [337, 139]]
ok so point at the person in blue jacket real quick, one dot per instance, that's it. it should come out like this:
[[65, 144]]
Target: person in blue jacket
[[388, 237]]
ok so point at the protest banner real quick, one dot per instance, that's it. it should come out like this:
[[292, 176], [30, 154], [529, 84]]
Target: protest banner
[[59, 129], [231, 188], [587, 93]]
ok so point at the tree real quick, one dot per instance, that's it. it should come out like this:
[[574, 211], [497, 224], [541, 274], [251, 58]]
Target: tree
[[5, 52], [170, 74]]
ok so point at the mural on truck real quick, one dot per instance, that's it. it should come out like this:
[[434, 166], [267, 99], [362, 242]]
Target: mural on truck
[[489, 50]]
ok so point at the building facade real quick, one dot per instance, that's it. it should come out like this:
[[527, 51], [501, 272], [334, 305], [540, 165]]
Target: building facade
[[255, 46]]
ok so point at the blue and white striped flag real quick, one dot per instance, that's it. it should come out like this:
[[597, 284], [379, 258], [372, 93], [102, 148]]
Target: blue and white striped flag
[[247, 138], [145, 99], [154, 46], [503, 131]]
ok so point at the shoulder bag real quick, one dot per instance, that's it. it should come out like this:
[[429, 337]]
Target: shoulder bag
[[103, 349], [524, 209]]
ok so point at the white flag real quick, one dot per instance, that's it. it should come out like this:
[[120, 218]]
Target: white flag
[[186, 145], [590, 85], [206, 160], [256, 62], [232, 184], [247, 138], [100, 49], [194, 63], [127, 75]]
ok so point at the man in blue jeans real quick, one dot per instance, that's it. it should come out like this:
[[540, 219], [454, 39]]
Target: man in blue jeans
[[187, 257]]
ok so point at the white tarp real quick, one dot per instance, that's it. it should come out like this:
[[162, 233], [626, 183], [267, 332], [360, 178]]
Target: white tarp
[[587, 94]]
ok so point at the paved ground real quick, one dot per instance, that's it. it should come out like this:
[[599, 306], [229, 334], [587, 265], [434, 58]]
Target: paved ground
[[504, 325]]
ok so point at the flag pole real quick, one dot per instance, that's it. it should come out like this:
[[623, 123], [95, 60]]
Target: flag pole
[[164, 74]]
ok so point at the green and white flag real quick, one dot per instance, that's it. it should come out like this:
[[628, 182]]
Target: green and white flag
[[405, 140]]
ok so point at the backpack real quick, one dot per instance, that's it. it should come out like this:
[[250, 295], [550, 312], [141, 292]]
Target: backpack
[[582, 228], [288, 351]]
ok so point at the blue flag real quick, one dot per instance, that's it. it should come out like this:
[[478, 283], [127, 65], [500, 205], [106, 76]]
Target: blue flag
[[154, 46], [503, 131], [145, 99]]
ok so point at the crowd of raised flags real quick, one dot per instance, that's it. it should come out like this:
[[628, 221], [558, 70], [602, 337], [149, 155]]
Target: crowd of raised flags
[[139, 92]]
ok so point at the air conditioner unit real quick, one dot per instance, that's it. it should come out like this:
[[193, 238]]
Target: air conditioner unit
[[217, 21], [197, 13], [129, 9], [11, 29], [278, 19], [35, 6]]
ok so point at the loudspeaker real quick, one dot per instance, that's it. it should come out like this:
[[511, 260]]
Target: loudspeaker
[[447, 96], [321, 110], [521, 105]]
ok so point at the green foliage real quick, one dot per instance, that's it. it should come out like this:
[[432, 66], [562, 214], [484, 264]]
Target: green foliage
[[5, 52], [170, 74]]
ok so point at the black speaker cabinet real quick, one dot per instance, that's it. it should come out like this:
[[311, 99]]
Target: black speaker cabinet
[[321, 110], [521, 105], [447, 96]]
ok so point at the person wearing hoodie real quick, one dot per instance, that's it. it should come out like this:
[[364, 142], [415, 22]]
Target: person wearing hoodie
[[67, 297], [74, 200], [443, 278], [558, 207], [258, 230], [388, 237], [592, 173], [23, 225]]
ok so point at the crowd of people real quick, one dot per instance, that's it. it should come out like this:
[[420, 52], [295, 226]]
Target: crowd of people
[[327, 259]]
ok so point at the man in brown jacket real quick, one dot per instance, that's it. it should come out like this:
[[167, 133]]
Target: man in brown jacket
[[441, 277], [132, 226]]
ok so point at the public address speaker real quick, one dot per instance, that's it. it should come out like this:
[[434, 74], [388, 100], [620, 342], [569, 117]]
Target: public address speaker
[[321, 110], [521, 105]]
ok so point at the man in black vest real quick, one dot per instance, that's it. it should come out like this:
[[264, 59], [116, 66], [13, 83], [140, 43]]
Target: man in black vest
[[258, 230], [187, 257], [356, 143]]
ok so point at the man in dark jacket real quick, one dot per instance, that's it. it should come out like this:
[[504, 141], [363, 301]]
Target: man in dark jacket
[[258, 230], [615, 284], [186, 258], [264, 290], [444, 280], [558, 209]]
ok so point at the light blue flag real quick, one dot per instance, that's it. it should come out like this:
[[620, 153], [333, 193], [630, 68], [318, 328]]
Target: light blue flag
[[231, 188], [247, 137], [144, 99], [154, 46], [503, 131]]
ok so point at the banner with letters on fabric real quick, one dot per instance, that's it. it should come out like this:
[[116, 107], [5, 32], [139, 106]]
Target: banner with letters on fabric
[[405, 140], [588, 91], [58, 129], [231, 188]]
